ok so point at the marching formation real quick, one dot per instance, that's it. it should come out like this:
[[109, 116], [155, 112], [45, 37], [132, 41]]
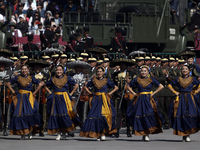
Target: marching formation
[[143, 92]]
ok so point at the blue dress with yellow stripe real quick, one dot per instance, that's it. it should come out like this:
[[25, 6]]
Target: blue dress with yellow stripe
[[101, 117], [24, 107], [62, 117], [183, 110], [142, 113]]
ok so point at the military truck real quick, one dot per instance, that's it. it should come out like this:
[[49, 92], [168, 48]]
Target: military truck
[[149, 24]]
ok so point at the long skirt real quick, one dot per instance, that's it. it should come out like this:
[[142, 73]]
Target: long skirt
[[99, 122], [184, 115], [143, 115], [25, 116], [62, 118]]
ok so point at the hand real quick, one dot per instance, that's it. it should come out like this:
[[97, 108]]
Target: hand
[[165, 72], [177, 93], [15, 73], [70, 94], [152, 95], [0, 83], [198, 78]]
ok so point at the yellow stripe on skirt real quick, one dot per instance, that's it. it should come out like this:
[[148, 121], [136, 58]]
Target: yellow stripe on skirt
[[31, 99], [105, 108], [68, 103]]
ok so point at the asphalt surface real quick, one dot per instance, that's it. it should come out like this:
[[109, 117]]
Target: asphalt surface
[[163, 141]]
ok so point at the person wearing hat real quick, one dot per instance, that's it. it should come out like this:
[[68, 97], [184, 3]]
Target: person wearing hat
[[29, 46], [147, 62], [89, 41], [55, 61], [80, 78], [184, 113], [37, 65], [142, 113], [5, 76], [93, 62], [46, 37], [121, 102], [22, 25], [153, 63], [139, 63], [108, 70], [164, 75], [79, 43], [23, 59], [118, 43], [84, 55]]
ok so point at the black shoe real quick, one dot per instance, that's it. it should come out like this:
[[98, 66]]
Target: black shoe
[[71, 134], [41, 134], [5, 133], [129, 135], [117, 135]]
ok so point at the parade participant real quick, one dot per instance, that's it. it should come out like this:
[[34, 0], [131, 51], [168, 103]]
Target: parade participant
[[37, 65], [183, 111], [80, 78], [108, 71], [158, 62], [142, 112], [101, 117], [25, 117], [164, 75], [89, 41], [118, 44], [23, 60], [189, 57], [85, 56], [62, 118], [5, 94], [93, 62], [121, 102]]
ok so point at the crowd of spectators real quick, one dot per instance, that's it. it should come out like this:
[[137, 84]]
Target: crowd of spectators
[[34, 15]]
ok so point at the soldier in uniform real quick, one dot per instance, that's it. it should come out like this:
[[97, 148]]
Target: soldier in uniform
[[164, 75], [5, 104], [118, 43], [84, 55], [108, 71], [121, 103], [93, 62], [87, 38], [23, 59]]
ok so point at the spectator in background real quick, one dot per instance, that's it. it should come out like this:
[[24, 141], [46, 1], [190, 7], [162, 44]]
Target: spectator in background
[[3, 8], [22, 25], [18, 11], [48, 18], [35, 19], [29, 8], [15, 32], [57, 18], [41, 10]]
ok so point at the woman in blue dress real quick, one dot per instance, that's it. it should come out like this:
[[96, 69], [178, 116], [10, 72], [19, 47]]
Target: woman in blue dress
[[183, 109], [62, 118], [142, 112], [25, 108], [101, 117]]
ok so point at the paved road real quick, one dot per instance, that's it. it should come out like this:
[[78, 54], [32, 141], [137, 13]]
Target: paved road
[[163, 141]]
